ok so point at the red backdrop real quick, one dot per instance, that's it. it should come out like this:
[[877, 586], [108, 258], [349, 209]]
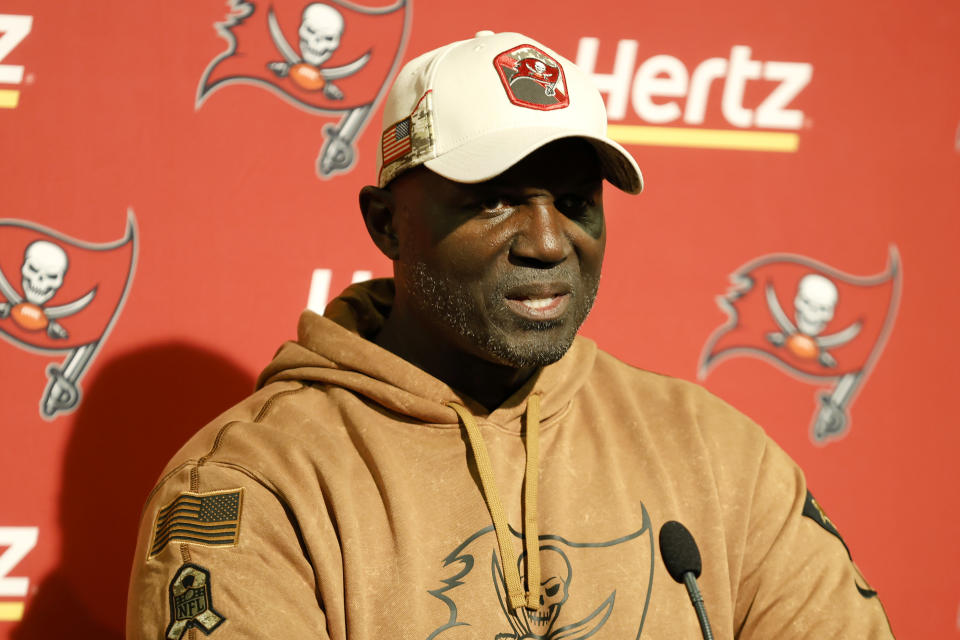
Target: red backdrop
[[777, 140]]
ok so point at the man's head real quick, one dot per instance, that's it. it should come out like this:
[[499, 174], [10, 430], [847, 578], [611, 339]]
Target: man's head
[[505, 270], [491, 206]]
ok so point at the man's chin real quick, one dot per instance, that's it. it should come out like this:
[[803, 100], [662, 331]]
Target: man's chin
[[538, 350]]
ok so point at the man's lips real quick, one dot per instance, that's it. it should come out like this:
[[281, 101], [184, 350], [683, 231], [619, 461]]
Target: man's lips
[[539, 302]]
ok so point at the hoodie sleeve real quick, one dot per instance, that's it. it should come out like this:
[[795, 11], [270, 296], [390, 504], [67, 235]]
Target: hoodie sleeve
[[799, 579], [217, 552]]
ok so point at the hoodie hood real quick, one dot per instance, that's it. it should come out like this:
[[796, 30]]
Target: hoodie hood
[[338, 349]]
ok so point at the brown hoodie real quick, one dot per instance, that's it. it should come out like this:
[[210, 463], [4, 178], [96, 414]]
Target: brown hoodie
[[344, 499]]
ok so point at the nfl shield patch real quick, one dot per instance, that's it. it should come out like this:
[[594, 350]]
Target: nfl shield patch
[[190, 602]]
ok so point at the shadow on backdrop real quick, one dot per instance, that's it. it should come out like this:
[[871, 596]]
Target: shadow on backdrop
[[136, 413]]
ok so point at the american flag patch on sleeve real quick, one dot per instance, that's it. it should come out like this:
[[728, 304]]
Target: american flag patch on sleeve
[[396, 141], [210, 519]]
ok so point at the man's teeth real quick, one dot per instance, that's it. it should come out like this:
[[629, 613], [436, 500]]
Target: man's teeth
[[538, 303]]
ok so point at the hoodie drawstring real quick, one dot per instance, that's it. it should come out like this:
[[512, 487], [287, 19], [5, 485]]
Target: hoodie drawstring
[[531, 535]]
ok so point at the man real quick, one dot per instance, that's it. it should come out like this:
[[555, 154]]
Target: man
[[441, 457]]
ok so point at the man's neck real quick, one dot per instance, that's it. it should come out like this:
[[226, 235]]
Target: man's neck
[[488, 383]]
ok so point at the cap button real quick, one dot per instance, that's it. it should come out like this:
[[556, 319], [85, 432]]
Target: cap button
[[485, 32]]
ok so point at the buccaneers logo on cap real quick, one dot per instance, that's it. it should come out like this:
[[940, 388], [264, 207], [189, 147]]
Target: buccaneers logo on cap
[[811, 320], [59, 294], [327, 58], [532, 78]]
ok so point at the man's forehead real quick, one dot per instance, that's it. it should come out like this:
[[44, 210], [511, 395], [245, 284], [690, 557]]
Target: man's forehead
[[569, 162]]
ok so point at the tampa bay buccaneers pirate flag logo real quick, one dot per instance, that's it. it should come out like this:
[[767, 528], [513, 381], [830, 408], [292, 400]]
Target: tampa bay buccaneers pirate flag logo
[[331, 58], [473, 585], [61, 295], [813, 321]]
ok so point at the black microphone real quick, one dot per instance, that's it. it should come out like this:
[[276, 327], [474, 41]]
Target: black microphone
[[682, 559]]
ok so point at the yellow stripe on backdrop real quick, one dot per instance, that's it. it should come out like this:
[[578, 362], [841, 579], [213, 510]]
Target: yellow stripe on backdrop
[[9, 98], [705, 138], [11, 611]]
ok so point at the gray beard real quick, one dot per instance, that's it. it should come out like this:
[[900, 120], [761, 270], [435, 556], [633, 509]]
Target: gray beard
[[448, 301]]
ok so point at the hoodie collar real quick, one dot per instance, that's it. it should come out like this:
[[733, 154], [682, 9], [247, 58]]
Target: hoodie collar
[[337, 349]]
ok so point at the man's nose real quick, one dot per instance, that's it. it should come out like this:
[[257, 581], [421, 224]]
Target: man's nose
[[540, 237]]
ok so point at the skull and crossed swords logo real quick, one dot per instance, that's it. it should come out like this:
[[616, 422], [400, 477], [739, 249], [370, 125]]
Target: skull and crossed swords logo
[[321, 28], [836, 332], [471, 587], [538, 624], [340, 62], [44, 269], [537, 71], [70, 294], [814, 305]]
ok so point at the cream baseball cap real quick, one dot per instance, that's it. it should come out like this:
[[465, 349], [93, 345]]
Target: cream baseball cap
[[472, 109]]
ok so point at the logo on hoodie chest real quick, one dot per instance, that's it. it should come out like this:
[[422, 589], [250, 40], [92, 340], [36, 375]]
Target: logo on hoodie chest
[[583, 587]]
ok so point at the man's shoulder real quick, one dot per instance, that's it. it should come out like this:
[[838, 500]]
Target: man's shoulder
[[249, 416], [609, 369], [671, 400]]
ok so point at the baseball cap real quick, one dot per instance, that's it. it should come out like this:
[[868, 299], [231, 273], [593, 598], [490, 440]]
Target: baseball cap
[[472, 109]]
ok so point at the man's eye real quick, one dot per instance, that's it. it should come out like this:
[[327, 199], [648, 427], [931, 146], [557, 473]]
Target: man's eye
[[573, 205], [492, 203]]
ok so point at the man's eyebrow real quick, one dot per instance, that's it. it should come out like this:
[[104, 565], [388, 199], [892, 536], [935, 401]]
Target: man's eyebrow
[[587, 181], [519, 187]]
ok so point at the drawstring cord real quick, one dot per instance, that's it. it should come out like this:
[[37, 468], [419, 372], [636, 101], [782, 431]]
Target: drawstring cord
[[531, 535]]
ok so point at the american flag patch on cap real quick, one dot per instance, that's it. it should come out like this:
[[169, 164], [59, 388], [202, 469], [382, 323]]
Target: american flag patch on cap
[[210, 519], [396, 141]]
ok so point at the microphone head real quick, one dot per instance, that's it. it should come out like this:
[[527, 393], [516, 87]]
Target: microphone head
[[679, 550]]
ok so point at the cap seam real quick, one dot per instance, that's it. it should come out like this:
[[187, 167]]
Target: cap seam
[[431, 79]]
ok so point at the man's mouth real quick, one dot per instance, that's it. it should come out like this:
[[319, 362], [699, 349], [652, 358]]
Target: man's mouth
[[539, 303]]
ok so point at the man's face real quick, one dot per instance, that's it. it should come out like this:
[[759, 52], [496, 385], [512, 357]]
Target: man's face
[[505, 270]]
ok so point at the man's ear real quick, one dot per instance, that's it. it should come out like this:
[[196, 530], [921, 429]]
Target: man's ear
[[378, 208]]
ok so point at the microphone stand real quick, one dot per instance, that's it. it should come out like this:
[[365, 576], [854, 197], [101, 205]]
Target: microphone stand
[[691, 583]]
